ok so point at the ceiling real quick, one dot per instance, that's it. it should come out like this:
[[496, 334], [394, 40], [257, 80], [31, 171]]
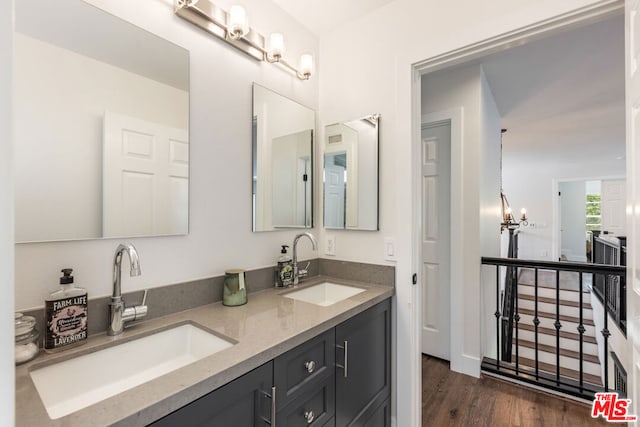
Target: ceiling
[[562, 98], [323, 16], [559, 97]]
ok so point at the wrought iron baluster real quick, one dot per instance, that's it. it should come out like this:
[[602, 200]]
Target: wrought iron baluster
[[605, 333], [497, 314], [516, 318], [557, 325], [536, 320], [581, 332]]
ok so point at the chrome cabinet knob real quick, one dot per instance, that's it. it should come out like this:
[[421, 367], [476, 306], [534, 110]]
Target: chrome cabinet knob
[[311, 366], [308, 415]]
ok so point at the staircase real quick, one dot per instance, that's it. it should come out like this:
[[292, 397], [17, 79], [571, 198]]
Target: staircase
[[569, 308]]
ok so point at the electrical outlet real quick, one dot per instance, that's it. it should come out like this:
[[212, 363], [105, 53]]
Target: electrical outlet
[[330, 245]]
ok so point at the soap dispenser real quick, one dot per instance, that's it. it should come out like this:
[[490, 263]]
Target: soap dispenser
[[66, 315], [284, 270]]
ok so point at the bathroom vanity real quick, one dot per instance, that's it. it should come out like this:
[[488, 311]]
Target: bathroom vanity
[[307, 385], [292, 362]]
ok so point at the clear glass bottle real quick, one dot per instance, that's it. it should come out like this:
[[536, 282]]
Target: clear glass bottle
[[26, 338], [66, 315]]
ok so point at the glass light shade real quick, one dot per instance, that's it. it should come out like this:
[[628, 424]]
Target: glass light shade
[[306, 64], [276, 45], [523, 214], [509, 214], [237, 24]]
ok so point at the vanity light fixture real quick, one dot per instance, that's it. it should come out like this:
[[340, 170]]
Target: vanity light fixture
[[237, 26], [233, 27], [275, 48]]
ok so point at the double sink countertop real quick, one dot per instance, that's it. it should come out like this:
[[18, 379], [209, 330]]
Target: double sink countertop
[[264, 328]]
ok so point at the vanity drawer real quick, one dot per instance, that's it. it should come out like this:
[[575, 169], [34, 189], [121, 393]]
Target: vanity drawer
[[314, 408], [304, 367]]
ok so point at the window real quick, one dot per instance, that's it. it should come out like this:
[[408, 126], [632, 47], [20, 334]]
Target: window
[[594, 218]]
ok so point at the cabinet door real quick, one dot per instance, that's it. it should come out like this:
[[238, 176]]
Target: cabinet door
[[304, 367], [363, 364], [241, 403], [381, 417], [314, 408]]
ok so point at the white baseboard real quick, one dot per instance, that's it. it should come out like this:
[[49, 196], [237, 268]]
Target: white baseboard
[[465, 364]]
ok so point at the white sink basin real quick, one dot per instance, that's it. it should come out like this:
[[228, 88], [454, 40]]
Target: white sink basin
[[324, 294], [76, 383]]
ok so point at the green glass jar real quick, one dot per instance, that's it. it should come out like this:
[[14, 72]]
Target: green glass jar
[[235, 291]]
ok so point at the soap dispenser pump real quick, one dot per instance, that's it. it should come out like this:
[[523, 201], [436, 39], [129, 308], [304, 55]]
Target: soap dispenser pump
[[66, 315], [284, 269]]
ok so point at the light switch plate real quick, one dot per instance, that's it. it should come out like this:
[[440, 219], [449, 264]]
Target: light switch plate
[[330, 245], [390, 253]]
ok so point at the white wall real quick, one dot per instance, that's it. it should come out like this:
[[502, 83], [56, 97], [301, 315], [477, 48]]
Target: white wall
[[531, 185], [220, 135], [7, 406], [367, 66], [490, 237], [467, 88], [58, 132]]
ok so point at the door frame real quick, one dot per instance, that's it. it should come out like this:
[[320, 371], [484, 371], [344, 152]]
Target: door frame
[[555, 209], [554, 25], [453, 116]]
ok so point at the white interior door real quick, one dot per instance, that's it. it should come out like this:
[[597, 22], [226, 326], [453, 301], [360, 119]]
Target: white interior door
[[145, 178], [613, 202], [632, 114], [436, 185], [334, 187], [573, 220]]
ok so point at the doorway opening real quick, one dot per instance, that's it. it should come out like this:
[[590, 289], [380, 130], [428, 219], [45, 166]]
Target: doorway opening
[[476, 233]]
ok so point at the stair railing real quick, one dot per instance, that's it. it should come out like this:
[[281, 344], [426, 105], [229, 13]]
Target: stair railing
[[508, 318]]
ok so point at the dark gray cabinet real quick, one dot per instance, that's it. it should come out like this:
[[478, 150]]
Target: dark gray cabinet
[[314, 408], [304, 381], [363, 365], [304, 367], [244, 402], [336, 379]]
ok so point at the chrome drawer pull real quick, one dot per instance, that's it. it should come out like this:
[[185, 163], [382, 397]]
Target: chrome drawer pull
[[345, 365], [309, 416], [311, 366], [272, 420]]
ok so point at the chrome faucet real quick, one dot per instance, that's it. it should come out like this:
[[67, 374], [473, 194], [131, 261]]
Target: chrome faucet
[[297, 273], [118, 313]]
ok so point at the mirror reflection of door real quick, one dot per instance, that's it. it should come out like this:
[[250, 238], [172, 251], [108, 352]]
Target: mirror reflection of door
[[335, 183], [283, 132], [351, 174], [145, 178], [290, 173]]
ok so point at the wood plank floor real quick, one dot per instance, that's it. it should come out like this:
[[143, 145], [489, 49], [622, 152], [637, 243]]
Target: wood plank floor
[[453, 399]]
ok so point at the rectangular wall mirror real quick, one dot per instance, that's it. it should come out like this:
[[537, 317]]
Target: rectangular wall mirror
[[283, 133], [101, 120], [351, 174]]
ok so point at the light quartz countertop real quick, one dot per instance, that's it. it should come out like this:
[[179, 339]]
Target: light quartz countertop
[[264, 328]]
